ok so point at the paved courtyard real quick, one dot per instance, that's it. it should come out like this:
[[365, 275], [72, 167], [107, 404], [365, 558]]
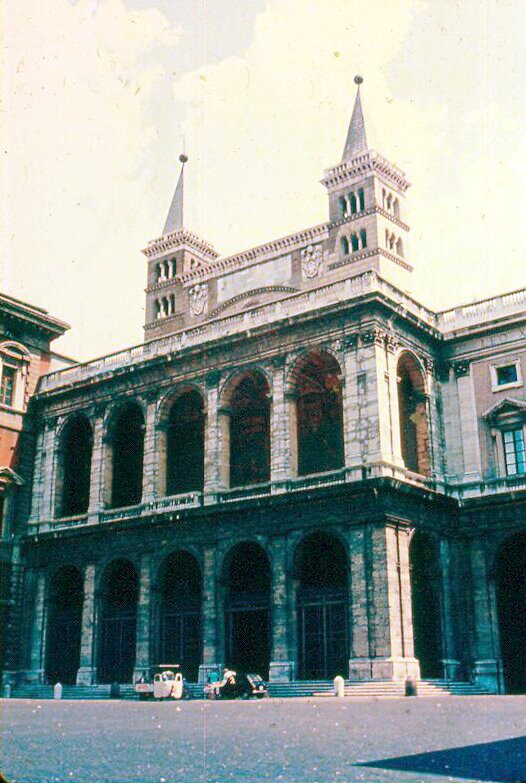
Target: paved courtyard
[[324, 740]]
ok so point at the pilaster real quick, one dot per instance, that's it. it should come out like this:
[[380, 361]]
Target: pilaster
[[150, 451], [451, 661], [35, 673], [351, 402], [87, 668], [281, 665], [142, 641], [212, 439], [48, 469], [279, 428], [486, 665], [210, 662], [96, 475], [468, 421]]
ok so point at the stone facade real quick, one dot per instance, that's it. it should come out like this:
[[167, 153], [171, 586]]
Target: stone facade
[[346, 481]]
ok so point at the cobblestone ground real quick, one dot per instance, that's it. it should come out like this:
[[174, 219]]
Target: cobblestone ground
[[324, 740]]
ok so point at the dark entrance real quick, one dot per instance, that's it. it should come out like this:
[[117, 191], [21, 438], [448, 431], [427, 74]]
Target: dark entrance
[[511, 581], [319, 414], [64, 626], [185, 467], [180, 613], [322, 607], [118, 621], [412, 407], [127, 446], [425, 597], [247, 610], [75, 467]]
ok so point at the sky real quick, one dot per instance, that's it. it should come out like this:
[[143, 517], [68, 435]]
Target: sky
[[99, 97]]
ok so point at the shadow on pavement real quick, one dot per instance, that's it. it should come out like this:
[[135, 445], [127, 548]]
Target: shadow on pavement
[[503, 761]]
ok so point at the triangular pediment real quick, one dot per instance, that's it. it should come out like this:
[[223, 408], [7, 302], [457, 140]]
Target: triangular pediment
[[506, 409]]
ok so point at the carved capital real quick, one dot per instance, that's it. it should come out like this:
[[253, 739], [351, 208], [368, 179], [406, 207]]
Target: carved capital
[[150, 395], [430, 365], [374, 336], [461, 368], [98, 410], [391, 342], [50, 423], [212, 378], [349, 342], [277, 362]]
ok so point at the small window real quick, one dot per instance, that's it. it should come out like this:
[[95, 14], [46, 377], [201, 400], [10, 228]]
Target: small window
[[363, 237], [506, 374], [7, 388], [344, 242], [514, 454], [354, 243], [361, 199]]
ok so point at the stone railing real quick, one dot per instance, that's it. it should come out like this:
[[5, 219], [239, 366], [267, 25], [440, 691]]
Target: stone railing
[[480, 312], [474, 489], [296, 304]]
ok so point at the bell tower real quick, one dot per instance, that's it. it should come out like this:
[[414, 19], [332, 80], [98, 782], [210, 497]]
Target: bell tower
[[367, 208], [170, 303]]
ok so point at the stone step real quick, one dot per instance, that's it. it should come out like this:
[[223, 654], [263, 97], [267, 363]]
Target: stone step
[[298, 688]]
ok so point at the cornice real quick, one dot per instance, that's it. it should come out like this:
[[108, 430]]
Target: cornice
[[374, 210], [175, 241], [256, 254], [371, 162]]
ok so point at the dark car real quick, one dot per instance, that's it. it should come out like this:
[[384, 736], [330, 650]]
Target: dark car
[[245, 686]]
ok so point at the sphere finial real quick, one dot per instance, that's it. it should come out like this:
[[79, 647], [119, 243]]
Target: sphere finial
[[183, 158], [358, 80]]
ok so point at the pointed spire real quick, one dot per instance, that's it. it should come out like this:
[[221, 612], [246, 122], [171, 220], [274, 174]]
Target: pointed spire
[[174, 219], [356, 142]]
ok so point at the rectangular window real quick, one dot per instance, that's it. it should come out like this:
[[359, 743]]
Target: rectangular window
[[7, 388], [506, 374], [514, 452]]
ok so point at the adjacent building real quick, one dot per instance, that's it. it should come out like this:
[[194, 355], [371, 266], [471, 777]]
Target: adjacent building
[[302, 471]]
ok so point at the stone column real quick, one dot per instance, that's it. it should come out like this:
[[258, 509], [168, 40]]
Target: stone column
[[360, 659], [281, 665], [450, 662], [37, 494], [375, 427], [210, 661], [48, 472], [87, 669], [96, 475], [435, 439], [37, 635], [150, 451], [351, 404], [392, 392], [486, 665], [390, 616], [279, 428], [468, 422], [212, 439], [142, 640]]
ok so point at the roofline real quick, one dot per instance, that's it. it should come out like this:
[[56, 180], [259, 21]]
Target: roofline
[[38, 315]]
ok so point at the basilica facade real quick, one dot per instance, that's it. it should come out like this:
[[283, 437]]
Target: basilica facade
[[302, 471]]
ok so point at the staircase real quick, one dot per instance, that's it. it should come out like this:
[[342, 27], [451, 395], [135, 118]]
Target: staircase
[[377, 689]]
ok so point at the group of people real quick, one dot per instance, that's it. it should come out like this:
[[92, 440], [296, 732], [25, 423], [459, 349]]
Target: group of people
[[216, 687]]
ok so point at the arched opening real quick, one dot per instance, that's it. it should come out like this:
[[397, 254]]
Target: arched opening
[[319, 414], [425, 597], [400, 247], [247, 616], [250, 431], [75, 467], [127, 457], [361, 199], [64, 628], [180, 613], [363, 238], [322, 608], [355, 245], [185, 444], [511, 602], [344, 243], [352, 202], [412, 407], [157, 311], [343, 207], [118, 622]]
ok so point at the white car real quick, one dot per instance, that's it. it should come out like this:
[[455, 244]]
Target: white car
[[168, 683]]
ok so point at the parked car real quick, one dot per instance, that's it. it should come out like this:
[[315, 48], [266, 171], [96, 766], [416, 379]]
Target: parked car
[[168, 683], [244, 686]]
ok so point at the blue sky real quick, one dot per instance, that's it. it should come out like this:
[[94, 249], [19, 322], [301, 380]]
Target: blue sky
[[100, 93]]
